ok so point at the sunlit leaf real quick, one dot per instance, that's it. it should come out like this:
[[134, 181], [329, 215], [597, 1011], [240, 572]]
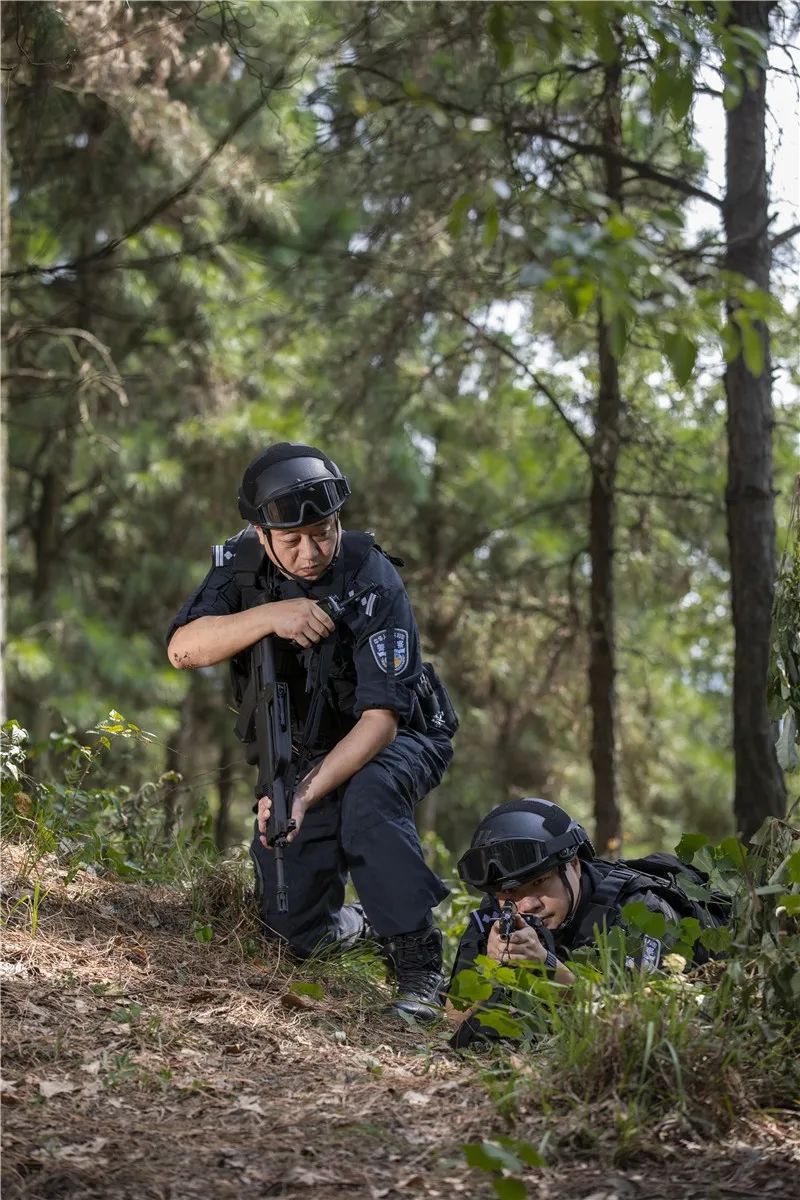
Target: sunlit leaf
[[491, 1156], [638, 915], [689, 844], [501, 1022], [682, 354], [509, 1188]]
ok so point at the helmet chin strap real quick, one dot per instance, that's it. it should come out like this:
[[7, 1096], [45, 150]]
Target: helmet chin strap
[[300, 578], [573, 896]]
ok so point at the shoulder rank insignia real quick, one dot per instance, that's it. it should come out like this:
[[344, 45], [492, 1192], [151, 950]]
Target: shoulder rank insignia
[[220, 555], [367, 602]]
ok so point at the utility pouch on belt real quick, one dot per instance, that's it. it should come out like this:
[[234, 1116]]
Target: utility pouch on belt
[[434, 712]]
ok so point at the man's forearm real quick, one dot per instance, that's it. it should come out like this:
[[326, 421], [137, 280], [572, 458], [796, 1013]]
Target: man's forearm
[[210, 640], [375, 729]]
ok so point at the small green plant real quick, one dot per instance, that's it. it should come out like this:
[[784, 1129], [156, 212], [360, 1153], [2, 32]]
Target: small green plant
[[503, 1160], [83, 815], [29, 901], [122, 1069], [129, 1015]]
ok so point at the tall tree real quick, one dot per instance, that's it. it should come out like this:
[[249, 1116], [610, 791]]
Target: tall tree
[[602, 514], [759, 788]]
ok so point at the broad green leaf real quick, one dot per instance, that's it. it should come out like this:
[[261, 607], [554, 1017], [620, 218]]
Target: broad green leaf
[[754, 44], [509, 1188], [620, 228], [793, 867], [681, 95], [500, 1022], [469, 988], [524, 1150], [661, 90], [731, 342], [689, 844], [458, 214], [638, 915], [490, 1156], [302, 988], [752, 348], [690, 930], [733, 92], [670, 217], [717, 940], [733, 849], [791, 902], [607, 48], [682, 355]]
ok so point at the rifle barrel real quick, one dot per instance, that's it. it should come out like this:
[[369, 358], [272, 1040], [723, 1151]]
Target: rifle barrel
[[281, 887]]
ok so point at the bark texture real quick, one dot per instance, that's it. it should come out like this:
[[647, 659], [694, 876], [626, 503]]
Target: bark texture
[[759, 788], [602, 521]]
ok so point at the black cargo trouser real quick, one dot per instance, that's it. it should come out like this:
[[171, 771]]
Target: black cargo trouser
[[365, 828]]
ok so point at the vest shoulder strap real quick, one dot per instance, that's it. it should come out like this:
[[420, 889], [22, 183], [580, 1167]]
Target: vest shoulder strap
[[245, 557], [356, 547], [611, 888]]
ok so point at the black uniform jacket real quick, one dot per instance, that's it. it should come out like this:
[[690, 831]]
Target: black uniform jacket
[[377, 659]]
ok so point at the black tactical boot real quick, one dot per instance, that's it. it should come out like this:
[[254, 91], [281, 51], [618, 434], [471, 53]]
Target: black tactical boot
[[414, 962]]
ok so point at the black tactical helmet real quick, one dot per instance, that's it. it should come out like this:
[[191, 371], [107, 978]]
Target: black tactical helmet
[[290, 484], [518, 841]]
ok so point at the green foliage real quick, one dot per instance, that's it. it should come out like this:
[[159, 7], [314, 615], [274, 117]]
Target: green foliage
[[451, 204], [84, 819], [503, 1159]]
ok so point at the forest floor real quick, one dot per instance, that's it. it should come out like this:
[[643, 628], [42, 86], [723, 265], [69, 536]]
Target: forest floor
[[142, 1063]]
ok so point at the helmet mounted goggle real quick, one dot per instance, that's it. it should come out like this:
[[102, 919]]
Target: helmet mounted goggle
[[304, 504], [516, 859]]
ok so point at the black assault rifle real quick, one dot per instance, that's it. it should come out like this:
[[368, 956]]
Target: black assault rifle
[[265, 719], [272, 728]]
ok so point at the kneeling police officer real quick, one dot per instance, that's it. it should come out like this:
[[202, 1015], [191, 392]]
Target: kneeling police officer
[[372, 759], [531, 853]]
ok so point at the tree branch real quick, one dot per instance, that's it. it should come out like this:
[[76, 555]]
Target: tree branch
[[151, 214], [543, 388], [786, 235]]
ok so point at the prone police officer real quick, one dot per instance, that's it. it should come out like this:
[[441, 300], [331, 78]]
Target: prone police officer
[[373, 758], [533, 860]]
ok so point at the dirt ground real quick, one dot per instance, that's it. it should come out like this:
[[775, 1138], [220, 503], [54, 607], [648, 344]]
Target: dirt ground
[[141, 1064]]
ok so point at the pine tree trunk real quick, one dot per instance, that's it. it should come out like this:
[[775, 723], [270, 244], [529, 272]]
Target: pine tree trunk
[[759, 788], [602, 517], [5, 229]]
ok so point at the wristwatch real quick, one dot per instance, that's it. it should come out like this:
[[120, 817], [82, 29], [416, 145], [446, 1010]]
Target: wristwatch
[[550, 962]]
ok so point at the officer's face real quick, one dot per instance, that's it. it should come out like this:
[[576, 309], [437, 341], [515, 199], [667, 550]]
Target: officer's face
[[546, 897], [306, 551]]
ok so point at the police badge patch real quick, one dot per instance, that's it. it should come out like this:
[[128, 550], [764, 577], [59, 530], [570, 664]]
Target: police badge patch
[[651, 953], [377, 644]]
